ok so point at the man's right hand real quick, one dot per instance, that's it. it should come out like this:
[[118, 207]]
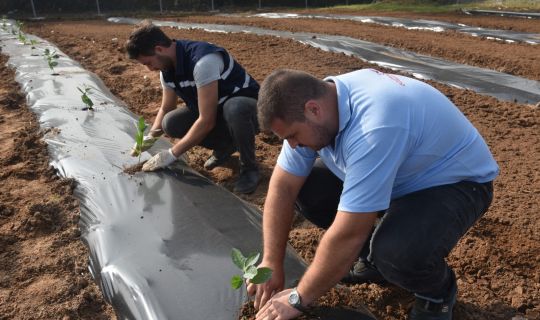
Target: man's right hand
[[264, 291], [148, 142]]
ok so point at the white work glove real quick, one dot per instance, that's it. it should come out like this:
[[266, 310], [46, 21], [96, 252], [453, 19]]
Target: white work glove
[[148, 142], [160, 160]]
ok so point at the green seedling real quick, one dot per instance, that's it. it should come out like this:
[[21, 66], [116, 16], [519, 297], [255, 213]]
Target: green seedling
[[86, 99], [4, 24], [51, 57], [22, 37], [139, 136], [19, 25], [249, 271]]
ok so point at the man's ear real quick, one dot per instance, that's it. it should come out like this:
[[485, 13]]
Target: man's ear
[[159, 49], [312, 109]]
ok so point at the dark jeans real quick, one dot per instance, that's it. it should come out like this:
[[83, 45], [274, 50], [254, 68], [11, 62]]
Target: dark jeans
[[236, 125], [415, 234]]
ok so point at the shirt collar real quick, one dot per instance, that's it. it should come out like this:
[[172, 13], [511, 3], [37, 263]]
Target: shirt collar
[[344, 108], [179, 54]]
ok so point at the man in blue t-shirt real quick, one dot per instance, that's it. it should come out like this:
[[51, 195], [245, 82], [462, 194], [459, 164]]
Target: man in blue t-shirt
[[220, 97], [391, 169]]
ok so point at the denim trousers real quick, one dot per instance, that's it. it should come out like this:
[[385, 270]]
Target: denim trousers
[[236, 126], [414, 235]]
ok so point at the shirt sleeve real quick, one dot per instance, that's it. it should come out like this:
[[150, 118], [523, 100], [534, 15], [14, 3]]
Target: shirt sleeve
[[371, 167], [298, 161], [208, 69]]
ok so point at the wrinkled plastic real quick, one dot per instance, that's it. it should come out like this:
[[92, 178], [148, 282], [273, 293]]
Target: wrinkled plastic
[[484, 81], [528, 15], [159, 243], [419, 24]]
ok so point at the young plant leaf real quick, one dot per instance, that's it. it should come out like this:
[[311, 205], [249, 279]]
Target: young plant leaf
[[85, 98], [263, 275], [250, 272], [141, 126], [50, 56], [236, 282], [87, 101], [139, 136], [252, 259], [238, 258]]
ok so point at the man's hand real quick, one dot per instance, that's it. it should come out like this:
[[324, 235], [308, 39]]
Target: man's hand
[[278, 308], [264, 291], [160, 160], [148, 142]]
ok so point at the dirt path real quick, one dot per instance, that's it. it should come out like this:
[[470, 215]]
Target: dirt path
[[497, 263]]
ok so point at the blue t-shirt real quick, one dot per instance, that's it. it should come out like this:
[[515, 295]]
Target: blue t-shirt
[[396, 135]]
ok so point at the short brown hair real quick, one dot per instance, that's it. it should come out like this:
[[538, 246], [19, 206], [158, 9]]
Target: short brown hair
[[284, 94], [144, 39]]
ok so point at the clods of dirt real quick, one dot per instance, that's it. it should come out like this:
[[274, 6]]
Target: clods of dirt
[[12, 100], [132, 170]]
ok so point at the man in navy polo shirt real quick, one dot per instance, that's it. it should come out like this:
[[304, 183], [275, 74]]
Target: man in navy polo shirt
[[220, 98]]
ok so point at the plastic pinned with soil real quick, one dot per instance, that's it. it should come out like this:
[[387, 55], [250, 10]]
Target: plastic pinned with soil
[[417, 24], [160, 243], [484, 81]]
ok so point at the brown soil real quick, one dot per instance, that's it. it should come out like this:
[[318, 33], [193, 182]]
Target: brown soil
[[134, 168], [497, 263]]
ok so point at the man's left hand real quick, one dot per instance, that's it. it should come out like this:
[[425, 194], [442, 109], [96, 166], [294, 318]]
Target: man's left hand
[[160, 160], [278, 307]]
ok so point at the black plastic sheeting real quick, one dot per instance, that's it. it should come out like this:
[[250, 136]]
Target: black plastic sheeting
[[484, 81], [419, 24], [159, 243], [528, 15]]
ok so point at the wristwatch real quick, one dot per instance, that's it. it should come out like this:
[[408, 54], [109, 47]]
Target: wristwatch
[[296, 301]]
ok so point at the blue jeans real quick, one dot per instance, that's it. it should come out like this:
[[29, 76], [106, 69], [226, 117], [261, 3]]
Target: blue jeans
[[415, 234], [236, 125]]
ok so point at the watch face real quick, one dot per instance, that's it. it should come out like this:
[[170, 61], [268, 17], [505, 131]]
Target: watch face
[[294, 298]]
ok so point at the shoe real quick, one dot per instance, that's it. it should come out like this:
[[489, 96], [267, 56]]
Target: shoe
[[247, 181], [219, 157], [363, 272], [424, 309]]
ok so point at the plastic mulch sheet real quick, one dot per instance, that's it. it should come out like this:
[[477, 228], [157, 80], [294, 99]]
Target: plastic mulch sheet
[[484, 81], [527, 15]]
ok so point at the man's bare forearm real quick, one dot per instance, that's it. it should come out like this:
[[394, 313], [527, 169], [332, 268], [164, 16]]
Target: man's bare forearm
[[278, 214], [198, 131], [337, 250], [168, 103]]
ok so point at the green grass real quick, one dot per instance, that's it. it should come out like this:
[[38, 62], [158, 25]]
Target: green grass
[[426, 6]]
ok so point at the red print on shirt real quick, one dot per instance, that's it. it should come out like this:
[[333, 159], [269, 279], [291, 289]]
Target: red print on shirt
[[391, 76]]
